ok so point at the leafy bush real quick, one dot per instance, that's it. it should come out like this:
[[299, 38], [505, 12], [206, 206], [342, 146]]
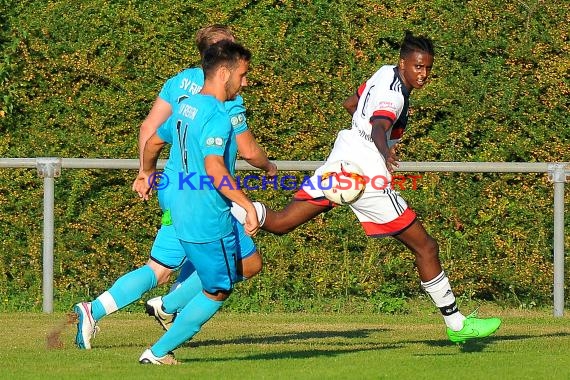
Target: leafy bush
[[77, 78]]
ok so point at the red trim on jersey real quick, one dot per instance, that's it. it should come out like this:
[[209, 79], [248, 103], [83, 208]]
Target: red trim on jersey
[[360, 89], [302, 195], [384, 113], [391, 228]]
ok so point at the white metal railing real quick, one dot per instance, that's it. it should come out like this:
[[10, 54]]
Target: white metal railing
[[50, 167]]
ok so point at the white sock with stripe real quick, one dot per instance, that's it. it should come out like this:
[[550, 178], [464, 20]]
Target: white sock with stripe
[[440, 292]]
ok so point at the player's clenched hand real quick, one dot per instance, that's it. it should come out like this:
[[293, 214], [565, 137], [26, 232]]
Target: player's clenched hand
[[142, 187], [135, 181], [393, 159], [272, 170]]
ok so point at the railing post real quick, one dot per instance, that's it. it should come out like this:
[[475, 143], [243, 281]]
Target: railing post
[[558, 174], [48, 169]]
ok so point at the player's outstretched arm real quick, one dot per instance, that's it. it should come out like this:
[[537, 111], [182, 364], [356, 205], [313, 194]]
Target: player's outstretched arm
[[225, 184], [250, 151]]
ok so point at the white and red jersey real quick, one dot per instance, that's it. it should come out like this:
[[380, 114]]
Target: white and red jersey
[[383, 96], [380, 209]]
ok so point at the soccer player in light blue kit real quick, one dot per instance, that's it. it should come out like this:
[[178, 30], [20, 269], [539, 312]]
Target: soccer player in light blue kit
[[167, 254], [203, 151]]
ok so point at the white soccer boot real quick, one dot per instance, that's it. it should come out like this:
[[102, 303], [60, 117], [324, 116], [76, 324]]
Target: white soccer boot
[[148, 357], [86, 325], [154, 308]]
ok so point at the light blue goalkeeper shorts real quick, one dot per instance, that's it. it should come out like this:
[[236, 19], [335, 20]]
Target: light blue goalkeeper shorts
[[215, 263], [168, 252]]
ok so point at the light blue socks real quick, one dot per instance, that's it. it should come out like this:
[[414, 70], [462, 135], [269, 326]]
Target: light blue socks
[[175, 301], [126, 290], [187, 323]]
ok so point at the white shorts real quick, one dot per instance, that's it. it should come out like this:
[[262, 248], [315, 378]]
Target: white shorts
[[381, 210]]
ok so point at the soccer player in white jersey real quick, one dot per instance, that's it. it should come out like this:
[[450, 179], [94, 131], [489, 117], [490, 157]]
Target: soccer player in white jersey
[[379, 110], [167, 254]]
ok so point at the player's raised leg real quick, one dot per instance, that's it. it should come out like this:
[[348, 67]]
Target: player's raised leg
[[127, 289]]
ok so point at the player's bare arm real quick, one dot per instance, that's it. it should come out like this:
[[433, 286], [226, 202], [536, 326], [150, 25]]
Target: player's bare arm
[[393, 158], [351, 103], [216, 168], [378, 134], [158, 114], [151, 152], [250, 151]]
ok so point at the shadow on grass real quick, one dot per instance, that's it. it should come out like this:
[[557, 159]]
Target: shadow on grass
[[339, 345], [297, 338], [301, 354], [338, 342], [480, 344], [289, 337], [342, 347]]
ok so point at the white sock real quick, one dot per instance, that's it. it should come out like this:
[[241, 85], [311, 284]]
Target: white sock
[[454, 321], [239, 213], [440, 292]]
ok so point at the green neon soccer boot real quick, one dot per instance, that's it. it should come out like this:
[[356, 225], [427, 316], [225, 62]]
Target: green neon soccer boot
[[474, 328]]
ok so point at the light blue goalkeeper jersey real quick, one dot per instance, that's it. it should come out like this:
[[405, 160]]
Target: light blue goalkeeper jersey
[[189, 82], [186, 83], [199, 127]]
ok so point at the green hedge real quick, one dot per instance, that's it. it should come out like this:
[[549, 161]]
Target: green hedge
[[77, 78]]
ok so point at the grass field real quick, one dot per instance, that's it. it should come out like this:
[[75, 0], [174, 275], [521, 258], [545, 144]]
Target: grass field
[[529, 345]]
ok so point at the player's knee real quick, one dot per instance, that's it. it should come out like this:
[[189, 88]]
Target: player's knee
[[250, 266], [161, 273], [220, 295], [253, 270], [163, 278], [430, 248]]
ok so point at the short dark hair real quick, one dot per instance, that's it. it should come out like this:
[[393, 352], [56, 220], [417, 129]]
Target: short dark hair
[[412, 43], [224, 52]]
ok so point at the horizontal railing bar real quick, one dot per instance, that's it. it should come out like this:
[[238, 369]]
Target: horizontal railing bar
[[469, 167], [17, 162]]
